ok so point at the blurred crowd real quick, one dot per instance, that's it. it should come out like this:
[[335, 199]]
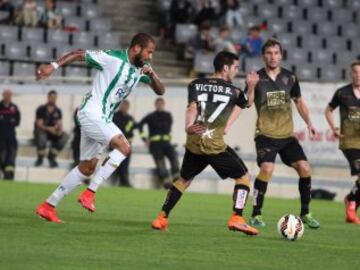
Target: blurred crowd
[[31, 14], [50, 138], [215, 20]]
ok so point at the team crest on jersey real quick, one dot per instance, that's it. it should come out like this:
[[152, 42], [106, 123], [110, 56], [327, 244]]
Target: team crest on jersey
[[285, 80]]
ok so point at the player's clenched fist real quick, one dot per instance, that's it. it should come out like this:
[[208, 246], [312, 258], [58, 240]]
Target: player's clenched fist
[[44, 71]]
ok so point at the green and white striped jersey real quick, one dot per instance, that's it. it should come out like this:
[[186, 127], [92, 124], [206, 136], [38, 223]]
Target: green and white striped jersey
[[114, 81]]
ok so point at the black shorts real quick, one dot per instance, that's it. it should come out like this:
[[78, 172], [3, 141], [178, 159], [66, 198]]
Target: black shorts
[[226, 164], [353, 157], [289, 150]]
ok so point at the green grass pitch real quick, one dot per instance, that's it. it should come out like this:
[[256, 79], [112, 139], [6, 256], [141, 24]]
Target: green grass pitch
[[119, 236]]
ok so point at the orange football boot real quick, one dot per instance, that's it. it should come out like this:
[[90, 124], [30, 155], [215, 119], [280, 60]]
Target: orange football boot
[[48, 212], [161, 222], [238, 223], [87, 200], [350, 211]]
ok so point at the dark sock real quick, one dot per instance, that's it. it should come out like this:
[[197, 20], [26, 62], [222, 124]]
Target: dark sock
[[305, 194], [173, 196], [260, 188], [354, 194], [241, 192]]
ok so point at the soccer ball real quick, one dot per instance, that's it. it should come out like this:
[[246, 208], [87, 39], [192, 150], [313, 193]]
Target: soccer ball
[[290, 227]]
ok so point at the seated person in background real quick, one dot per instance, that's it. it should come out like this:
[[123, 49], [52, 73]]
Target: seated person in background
[[50, 17], [207, 11], [181, 11], [251, 46], [231, 13], [27, 14], [10, 9], [202, 41], [48, 127], [223, 42]]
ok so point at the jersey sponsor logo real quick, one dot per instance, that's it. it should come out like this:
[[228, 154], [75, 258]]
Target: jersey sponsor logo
[[276, 98], [354, 114], [121, 92]]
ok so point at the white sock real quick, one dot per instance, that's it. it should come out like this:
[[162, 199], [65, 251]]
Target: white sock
[[73, 179], [107, 168]]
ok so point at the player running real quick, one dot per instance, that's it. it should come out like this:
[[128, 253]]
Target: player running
[[119, 71], [210, 103], [275, 131], [347, 98]]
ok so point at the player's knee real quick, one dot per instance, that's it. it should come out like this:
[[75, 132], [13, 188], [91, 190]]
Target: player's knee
[[121, 144], [182, 184], [87, 167], [244, 180], [304, 169], [266, 172]]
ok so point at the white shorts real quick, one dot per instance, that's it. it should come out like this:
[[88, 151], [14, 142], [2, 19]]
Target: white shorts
[[96, 134]]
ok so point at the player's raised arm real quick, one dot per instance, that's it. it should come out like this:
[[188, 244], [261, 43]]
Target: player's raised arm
[[44, 71], [155, 82]]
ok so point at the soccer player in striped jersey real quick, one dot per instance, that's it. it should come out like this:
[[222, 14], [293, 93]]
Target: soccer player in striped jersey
[[119, 71]]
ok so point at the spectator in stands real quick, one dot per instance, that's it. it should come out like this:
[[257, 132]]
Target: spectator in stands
[[202, 41], [159, 141], [48, 127], [27, 13], [75, 144], [50, 17], [127, 124], [9, 119], [231, 13], [223, 42], [181, 11], [207, 11], [252, 44], [10, 9]]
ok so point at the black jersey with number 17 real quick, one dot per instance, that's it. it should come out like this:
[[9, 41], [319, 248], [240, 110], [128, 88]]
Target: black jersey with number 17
[[215, 99]]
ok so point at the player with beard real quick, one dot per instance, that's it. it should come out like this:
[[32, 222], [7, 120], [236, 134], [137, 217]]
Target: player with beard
[[275, 131], [119, 71]]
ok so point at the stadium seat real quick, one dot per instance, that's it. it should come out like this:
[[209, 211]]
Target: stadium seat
[[184, 32], [76, 22], [31, 35], [90, 11], [302, 27], [8, 33], [311, 41], [307, 3], [16, 51], [253, 21], [351, 30], [331, 74], [354, 4], [73, 72], [342, 16], [24, 69], [108, 40], [307, 72], [254, 64], [288, 40], [83, 39], [4, 68], [297, 55], [316, 14], [268, 11], [292, 13], [101, 24], [236, 35], [346, 58], [58, 37], [323, 57], [4, 15], [334, 4], [41, 52], [203, 62], [67, 9], [277, 26], [336, 43], [163, 5], [327, 28], [285, 2]]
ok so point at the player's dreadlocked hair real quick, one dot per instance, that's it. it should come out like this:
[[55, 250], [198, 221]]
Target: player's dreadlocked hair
[[224, 58], [141, 39]]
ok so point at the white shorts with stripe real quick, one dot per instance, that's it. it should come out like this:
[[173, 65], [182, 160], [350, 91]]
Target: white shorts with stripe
[[96, 134]]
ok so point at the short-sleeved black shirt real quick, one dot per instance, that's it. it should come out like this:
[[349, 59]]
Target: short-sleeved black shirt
[[50, 118], [215, 99], [345, 98]]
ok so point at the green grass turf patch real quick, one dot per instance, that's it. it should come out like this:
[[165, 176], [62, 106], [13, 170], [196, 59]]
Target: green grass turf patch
[[119, 236]]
